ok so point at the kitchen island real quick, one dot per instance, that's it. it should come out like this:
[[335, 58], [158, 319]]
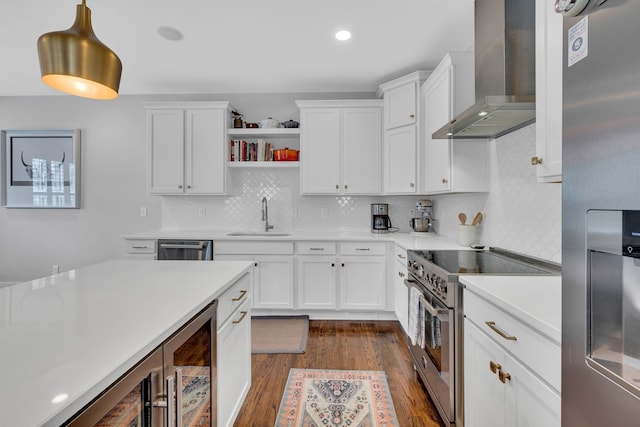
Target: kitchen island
[[73, 334]]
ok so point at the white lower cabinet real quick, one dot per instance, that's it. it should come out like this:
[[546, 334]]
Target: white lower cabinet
[[234, 363], [317, 282], [400, 290], [272, 274], [500, 388], [362, 276], [344, 276], [273, 283]]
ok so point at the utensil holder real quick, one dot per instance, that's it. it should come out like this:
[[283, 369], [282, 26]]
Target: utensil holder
[[467, 235]]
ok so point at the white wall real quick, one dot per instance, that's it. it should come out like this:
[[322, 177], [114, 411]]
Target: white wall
[[521, 215]]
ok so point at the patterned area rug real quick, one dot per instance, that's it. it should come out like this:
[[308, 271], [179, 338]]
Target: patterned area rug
[[319, 397]]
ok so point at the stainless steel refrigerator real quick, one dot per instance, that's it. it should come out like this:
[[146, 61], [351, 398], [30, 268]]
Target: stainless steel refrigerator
[[601, 213]]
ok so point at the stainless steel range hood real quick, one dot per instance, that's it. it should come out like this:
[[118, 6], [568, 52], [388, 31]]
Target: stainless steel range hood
[[505, 81]]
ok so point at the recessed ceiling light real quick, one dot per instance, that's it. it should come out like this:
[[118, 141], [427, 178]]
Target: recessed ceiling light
[[170, 33], [343, 35]]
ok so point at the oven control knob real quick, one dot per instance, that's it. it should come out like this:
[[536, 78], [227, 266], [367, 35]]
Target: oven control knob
[[443, 287], [420, 271]]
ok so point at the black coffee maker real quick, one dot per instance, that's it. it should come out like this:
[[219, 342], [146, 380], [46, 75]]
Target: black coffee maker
[[380, 221]]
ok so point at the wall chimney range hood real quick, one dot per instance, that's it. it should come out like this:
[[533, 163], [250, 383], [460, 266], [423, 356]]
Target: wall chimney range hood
[[505, 83]]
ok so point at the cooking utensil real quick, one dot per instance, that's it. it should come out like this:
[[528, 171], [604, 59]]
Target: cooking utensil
[[269, 123], [477, 219], [463, 218], [285, 155]]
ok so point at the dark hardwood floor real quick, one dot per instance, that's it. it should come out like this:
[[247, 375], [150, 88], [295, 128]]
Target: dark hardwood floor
[[364, 345]]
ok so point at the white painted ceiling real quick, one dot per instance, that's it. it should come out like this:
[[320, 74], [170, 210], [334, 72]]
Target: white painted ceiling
[[243, 46]]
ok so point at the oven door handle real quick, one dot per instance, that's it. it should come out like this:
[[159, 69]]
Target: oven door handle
[[430, 308], [427, 305]]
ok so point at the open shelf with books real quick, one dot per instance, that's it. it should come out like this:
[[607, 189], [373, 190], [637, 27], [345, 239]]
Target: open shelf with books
[[253, 148]]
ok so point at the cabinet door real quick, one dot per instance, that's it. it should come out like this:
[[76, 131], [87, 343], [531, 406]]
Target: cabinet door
[[165, 134], [234, 364], [316, 282], [437, 152], [401, 295], [273, 282], [484, 394], [362, 283], [400, 161], [205, 152], [529, 401], [320, 147], [362, 150], [400, 106], [548, 92]]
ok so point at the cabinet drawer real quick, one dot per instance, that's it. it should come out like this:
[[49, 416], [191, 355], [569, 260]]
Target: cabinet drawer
[[146, 246], [401, 255], [363, 248], [315, 248], [232, 298], [253, 248], [535, 350]]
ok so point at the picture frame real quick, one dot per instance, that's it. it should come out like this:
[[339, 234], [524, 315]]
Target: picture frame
[[41, 169]]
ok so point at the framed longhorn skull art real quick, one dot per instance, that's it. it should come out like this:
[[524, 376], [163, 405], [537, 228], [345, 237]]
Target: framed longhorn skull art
[[40, 168]]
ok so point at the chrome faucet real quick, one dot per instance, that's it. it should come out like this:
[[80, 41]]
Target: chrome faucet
[[265, 215]]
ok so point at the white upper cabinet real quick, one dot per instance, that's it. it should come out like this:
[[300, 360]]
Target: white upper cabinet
[[341, 147], [187, 147], [400, 105], [549, 67], [402, 124], [451, 166]]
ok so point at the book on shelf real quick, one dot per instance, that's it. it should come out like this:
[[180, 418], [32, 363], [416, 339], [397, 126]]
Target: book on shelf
[[243, 151]]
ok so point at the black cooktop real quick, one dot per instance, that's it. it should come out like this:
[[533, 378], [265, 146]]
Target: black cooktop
[[487, 262]]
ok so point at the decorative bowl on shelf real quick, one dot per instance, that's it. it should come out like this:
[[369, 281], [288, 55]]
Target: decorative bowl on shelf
[[269, 123], [285, 155], [289, 124], [251, 125]]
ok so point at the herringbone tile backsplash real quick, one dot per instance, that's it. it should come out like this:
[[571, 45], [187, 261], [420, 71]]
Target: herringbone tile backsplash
[[520, 214]]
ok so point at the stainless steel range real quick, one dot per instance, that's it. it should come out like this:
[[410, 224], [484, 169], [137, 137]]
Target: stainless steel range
[[436, 315]]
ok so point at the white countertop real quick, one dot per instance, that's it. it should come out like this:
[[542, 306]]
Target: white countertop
[[76, 332], [536, 300], [405, 240]]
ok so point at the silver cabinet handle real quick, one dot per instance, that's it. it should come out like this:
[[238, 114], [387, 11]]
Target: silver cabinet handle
[[363, 249], [188, 186], [493, 326], [178, 397], [316, 249], [401, 256], [444, 181], [169, 405], [139, 247], [243, 315], [535, 160], [411, 116], [243, 293], [400, 273], [179, 186], [411, 185]]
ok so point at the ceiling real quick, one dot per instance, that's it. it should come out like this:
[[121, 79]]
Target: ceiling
[[245, 46]]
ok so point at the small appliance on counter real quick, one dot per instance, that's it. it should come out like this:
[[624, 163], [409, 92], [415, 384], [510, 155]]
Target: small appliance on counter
[[422, 222], [380, 221]]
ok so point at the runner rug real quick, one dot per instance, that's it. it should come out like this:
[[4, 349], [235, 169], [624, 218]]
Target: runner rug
[[320, 397], [279, 334]]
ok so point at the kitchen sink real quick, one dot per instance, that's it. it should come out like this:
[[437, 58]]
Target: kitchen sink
[[257, 233]]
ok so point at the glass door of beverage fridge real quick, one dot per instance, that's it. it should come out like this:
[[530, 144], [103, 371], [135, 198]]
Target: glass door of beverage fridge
[[190, 369], [134, 400]]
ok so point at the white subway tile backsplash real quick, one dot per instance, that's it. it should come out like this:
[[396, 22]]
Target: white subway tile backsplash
[[520, 214]]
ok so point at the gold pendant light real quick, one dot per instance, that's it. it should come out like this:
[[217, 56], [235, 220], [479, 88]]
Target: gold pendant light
[[76, 62]]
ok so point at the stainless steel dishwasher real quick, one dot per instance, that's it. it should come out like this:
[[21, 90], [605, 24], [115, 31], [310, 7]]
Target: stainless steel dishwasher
[[186, 250]]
